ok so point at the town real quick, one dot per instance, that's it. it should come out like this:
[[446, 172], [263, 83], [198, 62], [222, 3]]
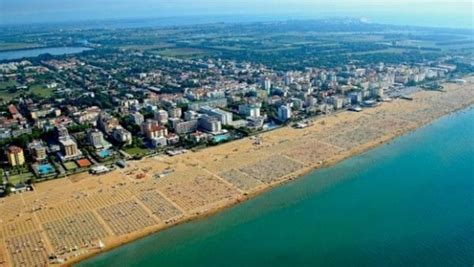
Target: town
[[94, 111], [111, 133]]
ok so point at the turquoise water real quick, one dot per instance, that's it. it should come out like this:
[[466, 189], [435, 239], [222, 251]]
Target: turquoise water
[[28, 53], [221, 138], [44, 169], [407, 203], [104, 153]]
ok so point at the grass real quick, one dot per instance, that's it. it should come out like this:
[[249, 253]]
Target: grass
[[181, 52], [133, 151], [42, 91], [4, 85], [20, 178], [146, 47], [4, 94], [70, 166], [16, 46], [388, 50]]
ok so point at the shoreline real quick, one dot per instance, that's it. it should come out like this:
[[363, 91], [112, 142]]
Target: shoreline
[[331, 162], [262, 191], [295, 153]]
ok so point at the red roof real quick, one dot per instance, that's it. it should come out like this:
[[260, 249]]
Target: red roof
[[13, 110], [83, 163], [15, 149]]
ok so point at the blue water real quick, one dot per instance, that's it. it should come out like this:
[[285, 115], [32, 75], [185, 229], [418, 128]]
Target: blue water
[[44, 169], [104, 153], [28, 53], [407, 203], [221, 138]]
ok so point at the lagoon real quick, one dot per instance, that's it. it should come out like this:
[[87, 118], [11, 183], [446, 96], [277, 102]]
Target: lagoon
[[29, 53]]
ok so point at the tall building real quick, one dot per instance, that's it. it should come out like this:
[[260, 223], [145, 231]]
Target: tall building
[[37, 150], [69, 148], [61, 132], [209, 124], [377, 92], [107, 123], [15, 156], [122, 135], [137, 118], [284, 113], [224, 116], [184, 127], [152, 129], [96, 138], [175, 112], [288, 78], [267, 85], [161, 116], [250, 110]]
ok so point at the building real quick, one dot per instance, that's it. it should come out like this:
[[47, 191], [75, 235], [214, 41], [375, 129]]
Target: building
[[224, 116], [190, 115], [37, 150], [209, 124], [184, 127], [161, 116], [267, 85], [89, 115], [159, 142], [69, 148], [250, 110], [137, 118], [377, 92], [356, 97], [107, 123], [152, 129], [96, 138], [61, 132], [175, 112], [15, 156], [215, 103], [336, 102], [121, 135], [284, 113]]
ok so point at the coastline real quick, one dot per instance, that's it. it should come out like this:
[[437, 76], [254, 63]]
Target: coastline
[[210, 162], [291, 177]]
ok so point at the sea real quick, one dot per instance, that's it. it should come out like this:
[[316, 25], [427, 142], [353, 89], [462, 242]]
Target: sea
[[409, 202]]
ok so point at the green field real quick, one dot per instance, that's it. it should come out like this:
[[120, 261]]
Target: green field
[[4, 93], [146, 47], [70, 166], [133, 151], [42, 91], [16, 46], [20, 178], [181, 52]]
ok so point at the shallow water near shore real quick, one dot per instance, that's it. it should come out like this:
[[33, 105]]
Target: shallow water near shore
[[406, 203]]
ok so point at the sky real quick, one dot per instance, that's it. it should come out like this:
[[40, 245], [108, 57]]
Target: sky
[[448, 13]]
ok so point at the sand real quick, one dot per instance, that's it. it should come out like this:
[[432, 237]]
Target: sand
[[71, 217]]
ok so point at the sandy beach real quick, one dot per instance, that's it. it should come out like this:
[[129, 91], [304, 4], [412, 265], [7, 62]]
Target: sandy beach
[[79, 216]]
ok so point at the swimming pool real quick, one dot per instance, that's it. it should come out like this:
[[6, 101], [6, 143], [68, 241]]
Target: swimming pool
[[44, 169], [104, 153]]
